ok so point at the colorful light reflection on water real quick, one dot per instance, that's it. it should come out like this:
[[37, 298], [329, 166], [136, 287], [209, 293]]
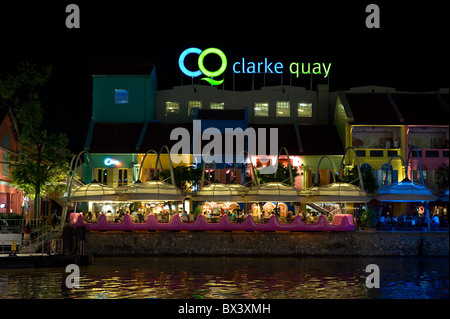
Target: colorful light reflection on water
[[235, 278]]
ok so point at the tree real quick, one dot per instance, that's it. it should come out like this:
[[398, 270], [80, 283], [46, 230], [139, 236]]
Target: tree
[[185, 177], [442, 177], [282, 174], [368, 177], [42, 164]]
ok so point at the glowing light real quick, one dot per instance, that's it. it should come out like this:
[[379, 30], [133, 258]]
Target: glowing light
[[206, 71], [201, 66], [111, 161], [183, 67]]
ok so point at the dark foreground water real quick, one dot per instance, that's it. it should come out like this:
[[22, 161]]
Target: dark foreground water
[[237, 278]]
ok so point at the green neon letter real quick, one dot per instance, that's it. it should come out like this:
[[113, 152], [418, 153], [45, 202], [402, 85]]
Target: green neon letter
[[296, 68], [207, 72]]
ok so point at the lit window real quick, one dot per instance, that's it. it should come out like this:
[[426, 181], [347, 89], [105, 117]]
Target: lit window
[[217, 106], [172, 108], [192, 105], [304, 109], [283, 109], [121, 96], [261, 109]]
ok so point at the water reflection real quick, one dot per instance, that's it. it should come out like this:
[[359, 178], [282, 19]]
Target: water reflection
[[237, 278]]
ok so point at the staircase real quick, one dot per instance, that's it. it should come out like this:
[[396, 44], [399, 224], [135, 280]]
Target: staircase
[[46, 239]]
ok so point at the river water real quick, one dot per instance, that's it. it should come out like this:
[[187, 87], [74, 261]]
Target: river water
[[236, 278]]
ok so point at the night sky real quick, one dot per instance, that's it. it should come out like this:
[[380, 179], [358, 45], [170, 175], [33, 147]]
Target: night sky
[[409, 51]]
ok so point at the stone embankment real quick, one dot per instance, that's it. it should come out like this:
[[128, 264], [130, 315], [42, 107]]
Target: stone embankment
[[222, 243]]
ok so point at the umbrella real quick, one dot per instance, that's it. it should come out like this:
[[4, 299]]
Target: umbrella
[[218, 192], [153, 190], [406, 191], [337, 192], [273, 192]]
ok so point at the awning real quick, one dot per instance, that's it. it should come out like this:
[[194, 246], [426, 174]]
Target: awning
[[151, 191], [92, 192], [406, 191], [218, 192], [274, 192], [338, 192]]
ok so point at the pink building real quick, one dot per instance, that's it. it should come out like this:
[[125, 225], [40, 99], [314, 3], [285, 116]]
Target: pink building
[[11, 198]]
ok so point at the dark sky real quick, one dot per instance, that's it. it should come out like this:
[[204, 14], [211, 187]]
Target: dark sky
[[409, 51]]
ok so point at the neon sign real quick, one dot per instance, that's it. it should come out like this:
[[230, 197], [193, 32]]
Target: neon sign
[[248, 67], [201, 66], [111, 161]]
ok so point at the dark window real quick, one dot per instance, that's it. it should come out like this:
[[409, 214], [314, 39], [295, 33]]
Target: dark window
[[376, 153], [414, 153], [361, 153], [392, 153], [445, 153], [432, 153]]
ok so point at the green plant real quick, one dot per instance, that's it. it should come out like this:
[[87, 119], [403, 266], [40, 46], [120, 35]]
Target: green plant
[[369, 218]]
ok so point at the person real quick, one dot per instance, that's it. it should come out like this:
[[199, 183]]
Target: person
[[233, 217], [401, 218], [185, 217], [435, 221], [383, 220], [54, 219], [27, 232]]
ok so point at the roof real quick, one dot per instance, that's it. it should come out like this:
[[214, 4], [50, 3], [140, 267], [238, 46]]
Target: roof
[[115, 137], [132, 137], [372, 109], [122, 69], [305, 139], [141, 137], [399, 108], [422, 109], [320, 140]]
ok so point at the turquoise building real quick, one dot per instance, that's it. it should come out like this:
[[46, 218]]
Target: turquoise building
[[123, 105]]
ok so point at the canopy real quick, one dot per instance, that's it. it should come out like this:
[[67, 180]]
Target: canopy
[[405, 191], [93, 192], [218, 192], [151, 191], [338, 192], [444, 196], [274, 192]]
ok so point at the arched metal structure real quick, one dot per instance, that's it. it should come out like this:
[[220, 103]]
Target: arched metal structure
[[357, 165], [317, 170]]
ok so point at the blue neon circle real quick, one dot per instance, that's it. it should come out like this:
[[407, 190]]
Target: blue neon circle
[[181, 62]]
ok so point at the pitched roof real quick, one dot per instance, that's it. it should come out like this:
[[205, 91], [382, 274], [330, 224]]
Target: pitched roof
[[399, 108], [422, 109], [115, 137], [158, 134], [372, 109], [320, 140]]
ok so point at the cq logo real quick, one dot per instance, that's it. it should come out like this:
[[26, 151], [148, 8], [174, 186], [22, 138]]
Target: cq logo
[[201, 66]]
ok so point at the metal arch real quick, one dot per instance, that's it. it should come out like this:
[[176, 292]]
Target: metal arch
[[411, 147], [289, 165], [255, 178], [391, 169], [203, 172], [170, 163], [142, 163], [73, 165], [332, 168], [357, 166]]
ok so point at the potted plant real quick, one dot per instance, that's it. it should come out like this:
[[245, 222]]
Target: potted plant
[[369, 219]]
